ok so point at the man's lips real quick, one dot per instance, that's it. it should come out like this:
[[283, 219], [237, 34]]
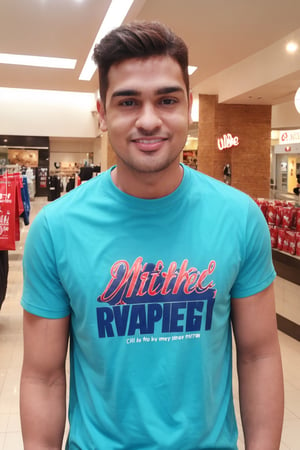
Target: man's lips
[[150, 143]]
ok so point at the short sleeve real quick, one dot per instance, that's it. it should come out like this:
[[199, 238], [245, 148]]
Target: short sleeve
[[256, 271], [43, 293]]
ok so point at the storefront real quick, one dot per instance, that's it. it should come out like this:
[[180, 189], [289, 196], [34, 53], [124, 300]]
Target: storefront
[[286, 165], [30, 155]]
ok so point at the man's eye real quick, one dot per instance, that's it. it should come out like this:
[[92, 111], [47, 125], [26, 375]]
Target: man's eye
[[128, 103], [168, 101]]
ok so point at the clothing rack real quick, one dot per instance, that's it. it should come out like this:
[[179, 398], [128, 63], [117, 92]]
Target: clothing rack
[[14, 204], [9, 168]]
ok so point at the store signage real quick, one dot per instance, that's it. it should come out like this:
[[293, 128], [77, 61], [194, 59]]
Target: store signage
[[227, 141], [289, 137], [284, 149]]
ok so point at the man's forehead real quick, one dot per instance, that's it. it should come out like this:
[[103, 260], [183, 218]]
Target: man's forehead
[[145, 61], [160, 74]]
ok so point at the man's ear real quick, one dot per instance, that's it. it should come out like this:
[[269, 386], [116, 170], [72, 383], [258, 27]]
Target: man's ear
[[102, 115]]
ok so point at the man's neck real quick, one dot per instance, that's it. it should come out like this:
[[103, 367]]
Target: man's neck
[[148, 185]]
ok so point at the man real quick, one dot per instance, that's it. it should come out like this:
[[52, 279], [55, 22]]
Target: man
[[145, 268], [297, 188]]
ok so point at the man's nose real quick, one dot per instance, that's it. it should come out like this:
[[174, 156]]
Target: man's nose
[[149, 118]]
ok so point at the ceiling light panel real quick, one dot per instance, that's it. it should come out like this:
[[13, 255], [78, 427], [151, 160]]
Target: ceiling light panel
[[37, 61], [192, 69], [115, 15]]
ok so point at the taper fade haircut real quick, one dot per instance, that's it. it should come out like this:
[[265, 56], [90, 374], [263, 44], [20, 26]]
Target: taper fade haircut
[[139, 39]]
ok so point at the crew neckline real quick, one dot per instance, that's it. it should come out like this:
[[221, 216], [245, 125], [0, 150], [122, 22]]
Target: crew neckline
[[132, 201]]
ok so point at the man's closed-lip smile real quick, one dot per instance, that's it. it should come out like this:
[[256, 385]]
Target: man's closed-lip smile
[[150, 143]]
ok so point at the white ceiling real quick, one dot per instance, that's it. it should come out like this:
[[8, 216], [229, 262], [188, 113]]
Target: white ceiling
[[238, 45]]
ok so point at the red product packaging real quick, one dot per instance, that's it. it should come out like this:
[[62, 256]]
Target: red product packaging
[[286, 242], [298, 243], [294, 217], [279, 215], [274, 236], [271, 214], [287, 218], [298, 219], [290, 237], [280, 238], [263, 206]]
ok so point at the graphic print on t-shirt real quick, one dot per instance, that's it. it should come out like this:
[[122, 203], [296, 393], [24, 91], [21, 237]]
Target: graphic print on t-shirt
[[149, 299]]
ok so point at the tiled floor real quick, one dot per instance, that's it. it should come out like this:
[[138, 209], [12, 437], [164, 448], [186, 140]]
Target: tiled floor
[[11, 359]]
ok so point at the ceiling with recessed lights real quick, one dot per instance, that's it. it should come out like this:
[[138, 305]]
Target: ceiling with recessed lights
[[237, 45]]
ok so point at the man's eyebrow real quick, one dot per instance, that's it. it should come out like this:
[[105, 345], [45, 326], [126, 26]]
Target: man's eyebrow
[[134, 92], [169, 90], [126, 93]]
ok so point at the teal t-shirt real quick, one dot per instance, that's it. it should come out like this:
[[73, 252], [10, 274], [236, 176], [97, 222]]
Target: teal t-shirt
[[148, 286]]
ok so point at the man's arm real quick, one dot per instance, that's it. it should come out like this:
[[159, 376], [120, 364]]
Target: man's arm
[[259, 370], [43, 382]]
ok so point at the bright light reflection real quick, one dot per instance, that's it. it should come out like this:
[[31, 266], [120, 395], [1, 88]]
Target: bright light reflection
[[291, 47], [195, 109], [297, 100]]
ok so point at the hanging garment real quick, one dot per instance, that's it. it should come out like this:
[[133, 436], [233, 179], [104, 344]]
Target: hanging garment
[[25, 200], [3, 274], [54, 188]]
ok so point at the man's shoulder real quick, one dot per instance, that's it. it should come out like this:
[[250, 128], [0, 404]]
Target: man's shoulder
[[214, 188], [78, 199]]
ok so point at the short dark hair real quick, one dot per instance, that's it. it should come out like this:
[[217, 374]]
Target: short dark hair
[[139, 39]]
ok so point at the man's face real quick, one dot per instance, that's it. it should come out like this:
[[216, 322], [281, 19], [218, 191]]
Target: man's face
[[147, 113]]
